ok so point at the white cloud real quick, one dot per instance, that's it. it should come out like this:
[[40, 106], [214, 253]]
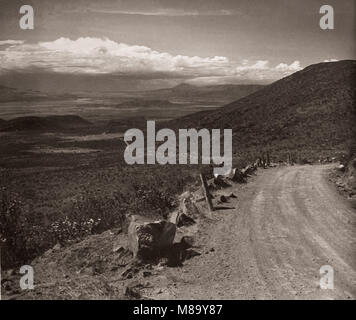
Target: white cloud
[[94, 55], [104, 56], [293, 67], [10, 42], [330, 60]]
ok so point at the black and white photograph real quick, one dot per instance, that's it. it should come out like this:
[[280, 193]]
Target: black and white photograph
[[168, 150]]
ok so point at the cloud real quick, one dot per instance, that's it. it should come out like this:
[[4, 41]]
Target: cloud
[[259, 71], [10, 42], [295, 66], [330, 60], [94, 55], [104, 56]]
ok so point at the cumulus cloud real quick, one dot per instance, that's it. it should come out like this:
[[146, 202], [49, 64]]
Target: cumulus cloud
[[104, 56], [94, 55], [295, 66]]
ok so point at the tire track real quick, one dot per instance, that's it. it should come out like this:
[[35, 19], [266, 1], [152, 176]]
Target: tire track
[[288, 222]]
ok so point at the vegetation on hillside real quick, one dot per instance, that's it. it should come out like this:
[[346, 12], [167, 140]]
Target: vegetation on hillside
[[310, 113]]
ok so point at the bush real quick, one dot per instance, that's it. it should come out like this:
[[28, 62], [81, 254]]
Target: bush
[[89, 214], [26, 231], [20, 235]]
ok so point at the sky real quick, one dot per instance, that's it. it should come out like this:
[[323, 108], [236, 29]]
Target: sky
[[165, 42]]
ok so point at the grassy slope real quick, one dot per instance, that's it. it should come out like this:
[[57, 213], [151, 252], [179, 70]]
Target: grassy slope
[[311, 112]]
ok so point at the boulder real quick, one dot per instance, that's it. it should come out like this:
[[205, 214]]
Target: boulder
[[236, 176], [184, 216], [248, 170], [180, 219], [148, 239], [232, 195], [219, 182], [187, 241], [258, 163], [188, 207]]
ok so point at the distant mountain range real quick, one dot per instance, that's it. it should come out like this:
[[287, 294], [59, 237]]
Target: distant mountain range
[[211, 94], [32, 87], [72, 83], [311, 111], [9, 94]]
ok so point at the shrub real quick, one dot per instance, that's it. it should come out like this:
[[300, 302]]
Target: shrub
[[20, 235]]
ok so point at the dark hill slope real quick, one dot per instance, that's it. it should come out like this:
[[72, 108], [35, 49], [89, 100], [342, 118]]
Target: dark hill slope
[[311, 111], [49, 123]]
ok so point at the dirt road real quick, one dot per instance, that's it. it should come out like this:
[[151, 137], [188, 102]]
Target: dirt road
[[287, 223]]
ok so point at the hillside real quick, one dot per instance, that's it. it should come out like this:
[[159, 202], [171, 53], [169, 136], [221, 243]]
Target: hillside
[[310, 112]]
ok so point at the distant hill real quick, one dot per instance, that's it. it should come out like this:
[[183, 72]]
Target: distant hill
[[213, 93], [11, 94], [49, 123], [312, 112], [142, 103]]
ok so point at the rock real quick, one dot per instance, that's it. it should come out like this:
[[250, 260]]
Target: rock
[[236, 176], [258, 162], [158, 291], [56, 247], [341, 167], [190, 253], [146, 274], [184, 220], [223, 199], [132, 291], [90, 271], [219, 182], [188, 207], [180, 219], [181, 251], [187, 241], [248, 170], [118, 249], [148, 239], [186, 213], [129, 272]]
